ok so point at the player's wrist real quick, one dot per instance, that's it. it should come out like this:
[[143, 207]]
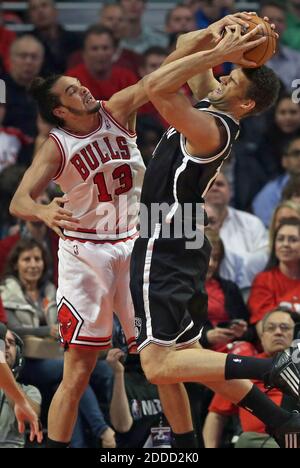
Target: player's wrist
[[40, 211]]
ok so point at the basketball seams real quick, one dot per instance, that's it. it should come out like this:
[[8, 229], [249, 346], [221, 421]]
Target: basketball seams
[[269, 46]]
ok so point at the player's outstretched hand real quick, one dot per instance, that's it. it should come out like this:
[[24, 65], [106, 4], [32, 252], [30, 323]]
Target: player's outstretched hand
[[234, 45], [25, 414], [242, 19], [57, 217]]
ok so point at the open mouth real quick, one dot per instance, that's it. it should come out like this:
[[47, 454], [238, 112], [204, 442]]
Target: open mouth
[[89, 99]]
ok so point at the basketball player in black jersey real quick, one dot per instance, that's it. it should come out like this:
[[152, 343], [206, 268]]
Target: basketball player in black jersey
[[167, 278]]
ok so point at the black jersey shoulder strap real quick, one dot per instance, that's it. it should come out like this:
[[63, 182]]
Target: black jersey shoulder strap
[[232, 130]]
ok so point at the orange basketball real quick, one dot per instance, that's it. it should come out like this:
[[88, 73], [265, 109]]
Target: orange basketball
[[262, 53]]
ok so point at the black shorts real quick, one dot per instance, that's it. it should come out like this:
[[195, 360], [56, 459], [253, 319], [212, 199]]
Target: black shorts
[[168, 291]]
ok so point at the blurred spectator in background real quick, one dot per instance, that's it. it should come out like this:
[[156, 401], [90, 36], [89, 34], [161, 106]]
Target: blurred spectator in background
[[149, 132], [135, 406], [28, 297], [152, 59], [279, 284], [283, 125], [292, 34], [11, 142], [3, 317], [269, 197], [286, 61], [226, 306], [43, 132], [10, 436], [194, 5], [209, 12], [26, 58], [180, 19], [278, 334], [91, 429], [259, 150], [30, 301], [212, 10], [58, 42], [139, 36], [98, 73], [292, 190], [113, 16], [241, 232], [232, 266], [6, 39], [285, 210], [39, 232], [9, 181]]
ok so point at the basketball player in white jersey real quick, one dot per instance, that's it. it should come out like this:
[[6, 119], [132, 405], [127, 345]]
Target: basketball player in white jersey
[[92, 154]]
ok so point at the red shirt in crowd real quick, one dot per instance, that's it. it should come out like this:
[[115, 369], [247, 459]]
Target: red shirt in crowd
[[249, 422], [216, 302], [269, 290], [6, 39], [3, 317], [119, 79]]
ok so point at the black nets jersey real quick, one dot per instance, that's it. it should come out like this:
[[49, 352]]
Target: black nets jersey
[[175, 177]]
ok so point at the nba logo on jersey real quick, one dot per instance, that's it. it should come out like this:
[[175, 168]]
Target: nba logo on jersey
[[76, 250], [107, 123], [136, 410]]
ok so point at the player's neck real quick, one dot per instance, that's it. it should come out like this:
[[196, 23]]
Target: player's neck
[[225, 111], [84, 125]]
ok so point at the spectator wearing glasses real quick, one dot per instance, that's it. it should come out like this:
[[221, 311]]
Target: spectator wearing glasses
[[279, 284], [269, 197], [277, 335]]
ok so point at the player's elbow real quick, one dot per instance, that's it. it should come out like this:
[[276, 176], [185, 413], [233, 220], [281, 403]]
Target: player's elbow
[[13, 207], [122, 425]]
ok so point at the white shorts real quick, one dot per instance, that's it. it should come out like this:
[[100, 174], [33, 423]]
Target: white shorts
[[93, 283]]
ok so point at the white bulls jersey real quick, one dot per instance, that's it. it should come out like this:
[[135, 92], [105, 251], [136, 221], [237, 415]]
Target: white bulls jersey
[[102, 175]]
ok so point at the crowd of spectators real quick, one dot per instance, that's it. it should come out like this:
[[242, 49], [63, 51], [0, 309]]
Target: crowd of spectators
[[253, 212]]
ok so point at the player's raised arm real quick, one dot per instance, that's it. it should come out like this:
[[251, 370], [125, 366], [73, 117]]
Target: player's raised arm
[[201, 85], [44, 168], [126, 102], [162, 88]]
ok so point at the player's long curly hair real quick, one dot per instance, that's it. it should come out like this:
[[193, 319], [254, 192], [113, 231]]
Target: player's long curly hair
[[41, 90]]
